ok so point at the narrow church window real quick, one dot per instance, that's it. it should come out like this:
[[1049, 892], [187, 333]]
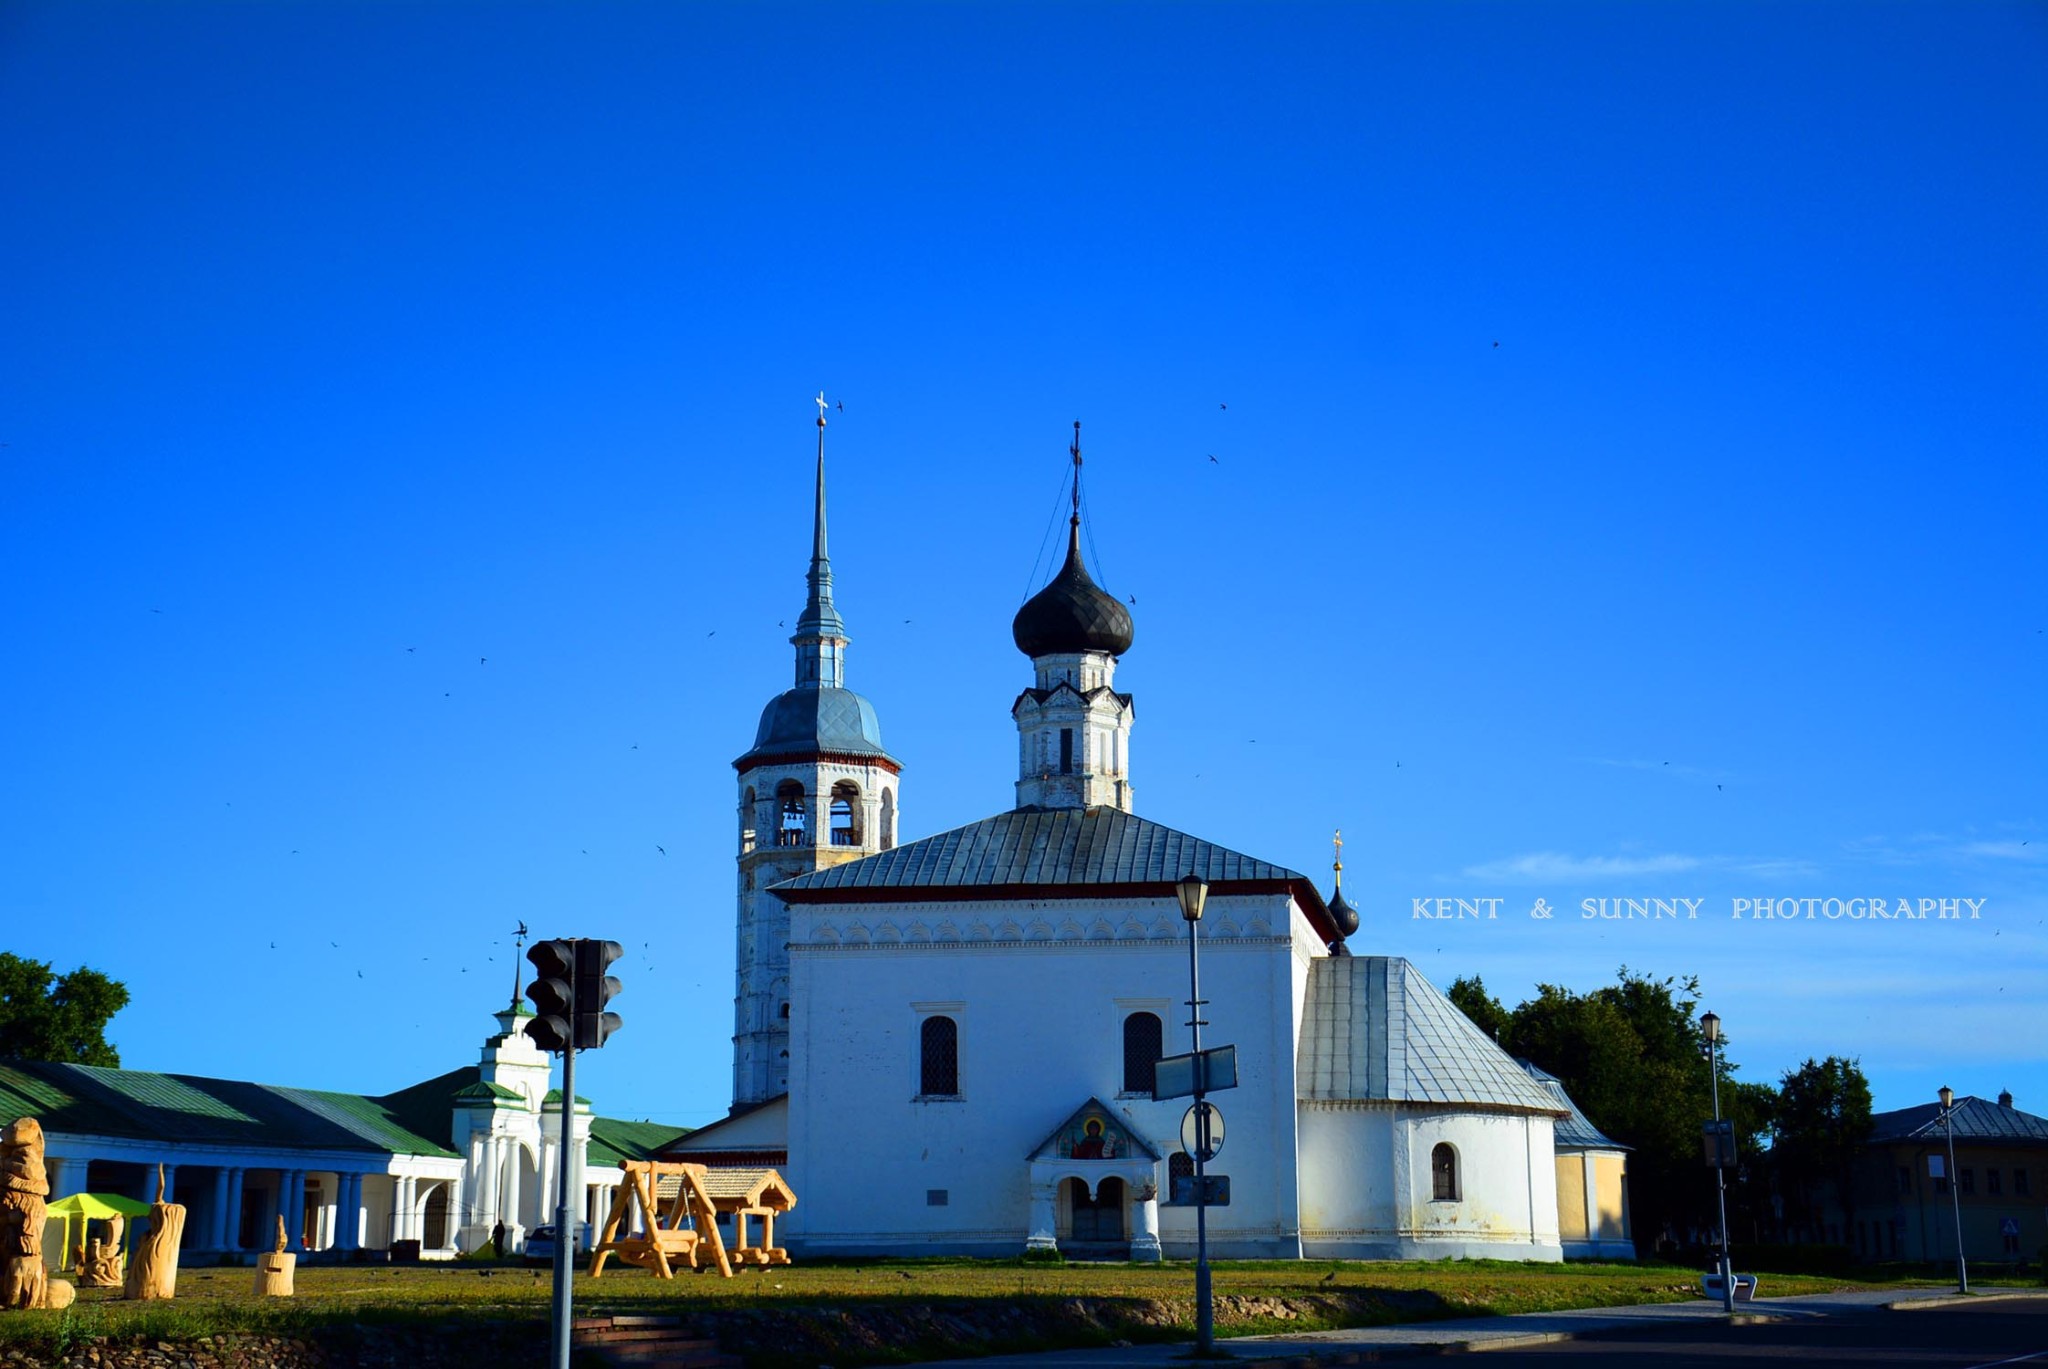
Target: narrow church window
[[794, 819], [1142, 1049], [888, 819], [785, 1012], [846, 814], [938, 1043], [747, 822], [1066, 751], [1443, 1172]]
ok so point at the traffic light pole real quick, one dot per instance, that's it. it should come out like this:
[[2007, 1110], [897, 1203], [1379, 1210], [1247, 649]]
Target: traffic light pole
[[565, 1236]]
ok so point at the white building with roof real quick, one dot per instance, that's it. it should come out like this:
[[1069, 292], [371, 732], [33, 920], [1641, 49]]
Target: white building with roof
[[972, 1021]]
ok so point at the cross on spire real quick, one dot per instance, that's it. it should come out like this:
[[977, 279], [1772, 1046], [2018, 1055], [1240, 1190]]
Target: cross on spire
[[1337, 841], [1075, 452]]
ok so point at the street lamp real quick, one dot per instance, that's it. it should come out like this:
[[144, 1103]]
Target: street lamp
[[1955, 1197], [1193, 892], [1711, 1025]]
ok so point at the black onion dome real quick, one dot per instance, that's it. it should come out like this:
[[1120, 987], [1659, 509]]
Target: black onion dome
[[1073, 613], [1343, 914]]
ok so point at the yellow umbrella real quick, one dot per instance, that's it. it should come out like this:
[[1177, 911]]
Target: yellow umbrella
[[90, 1207]]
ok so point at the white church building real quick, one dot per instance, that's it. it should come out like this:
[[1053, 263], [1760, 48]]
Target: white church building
[[950, 1043]]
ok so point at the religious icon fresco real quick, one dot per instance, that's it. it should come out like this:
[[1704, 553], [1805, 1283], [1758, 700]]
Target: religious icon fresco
[[1092, 1137]]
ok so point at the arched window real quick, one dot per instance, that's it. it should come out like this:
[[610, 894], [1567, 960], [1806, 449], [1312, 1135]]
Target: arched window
[[938, 1057], [1142, 1049], [1443, 1173], [846, 813], [1179, 1165], [793, 819], [888, 819], [747, 821]]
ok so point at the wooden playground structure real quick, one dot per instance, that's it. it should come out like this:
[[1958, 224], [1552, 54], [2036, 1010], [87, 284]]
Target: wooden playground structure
[[679, 1205]]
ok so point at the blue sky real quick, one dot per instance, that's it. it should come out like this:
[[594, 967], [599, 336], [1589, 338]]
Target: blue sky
[[1630, 485]]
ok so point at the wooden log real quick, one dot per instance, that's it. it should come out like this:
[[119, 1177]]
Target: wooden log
[[274, 1269], [153, 1272]]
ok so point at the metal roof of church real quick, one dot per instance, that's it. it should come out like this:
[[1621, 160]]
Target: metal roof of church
[[1575, 1131], [1057, 847], [1976, 1119], [1373, 1028]]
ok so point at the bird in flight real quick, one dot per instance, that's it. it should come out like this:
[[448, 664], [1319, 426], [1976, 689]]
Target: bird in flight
[[481, 659], [1222, 406], [412, 649], [1496, 343], [661, 848], [1134, 598], [1214, 462], [156, 610], [712, 633], [842, 406]]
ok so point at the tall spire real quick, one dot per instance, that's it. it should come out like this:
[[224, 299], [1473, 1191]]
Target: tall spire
[[820, 638]]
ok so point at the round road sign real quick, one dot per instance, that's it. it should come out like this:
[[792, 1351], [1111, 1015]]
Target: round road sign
[[1200, 1141]]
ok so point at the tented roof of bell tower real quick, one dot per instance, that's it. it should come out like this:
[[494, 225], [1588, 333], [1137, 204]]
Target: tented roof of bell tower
[[812, 721]]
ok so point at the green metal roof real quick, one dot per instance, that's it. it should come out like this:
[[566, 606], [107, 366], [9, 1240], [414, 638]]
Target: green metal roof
[[613, 1140], [488, 1092], [83, 1099]]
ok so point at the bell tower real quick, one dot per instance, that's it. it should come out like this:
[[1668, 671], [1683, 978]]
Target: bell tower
[[816, 789], [1073, 728]]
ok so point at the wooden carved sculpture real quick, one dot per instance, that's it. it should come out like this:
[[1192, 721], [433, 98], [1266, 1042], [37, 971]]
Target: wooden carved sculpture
[[101, 1267], [24, 1282], [153, 1273], [274, 1268]]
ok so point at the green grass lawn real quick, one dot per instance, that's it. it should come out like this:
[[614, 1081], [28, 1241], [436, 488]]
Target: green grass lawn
[[1252, 1297]]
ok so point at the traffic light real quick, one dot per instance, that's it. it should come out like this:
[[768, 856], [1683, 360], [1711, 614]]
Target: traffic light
[[594, 989], [551, 992]]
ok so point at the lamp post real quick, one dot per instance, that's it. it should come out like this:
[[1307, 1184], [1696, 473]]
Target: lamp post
[[1955, 1197], [1193, 892], [1711, 1025]]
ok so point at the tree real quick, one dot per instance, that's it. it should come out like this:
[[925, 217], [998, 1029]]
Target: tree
[[66, 1024], [1822, 1121], [1469, 996], [1632, 1056]]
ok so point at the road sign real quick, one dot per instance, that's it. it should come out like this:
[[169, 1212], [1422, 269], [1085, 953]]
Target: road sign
[[1201, 1132], [2007, 1226], [1180, 1076], [1718, 1140], [1215, 1191]]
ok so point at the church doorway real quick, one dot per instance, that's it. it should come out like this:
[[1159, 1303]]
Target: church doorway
[[1095, 1220]]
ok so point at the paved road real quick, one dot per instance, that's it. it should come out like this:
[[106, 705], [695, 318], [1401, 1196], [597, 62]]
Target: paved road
[[1822, 1329], [1997, 1333]]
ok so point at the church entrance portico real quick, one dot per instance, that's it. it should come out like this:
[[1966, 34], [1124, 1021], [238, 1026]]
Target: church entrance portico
[[1094, 1190]]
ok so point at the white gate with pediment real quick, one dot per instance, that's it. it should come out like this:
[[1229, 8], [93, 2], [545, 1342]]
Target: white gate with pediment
[[1092, 1147]]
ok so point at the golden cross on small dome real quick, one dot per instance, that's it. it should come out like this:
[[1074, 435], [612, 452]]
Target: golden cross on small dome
[[1337, 840]]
